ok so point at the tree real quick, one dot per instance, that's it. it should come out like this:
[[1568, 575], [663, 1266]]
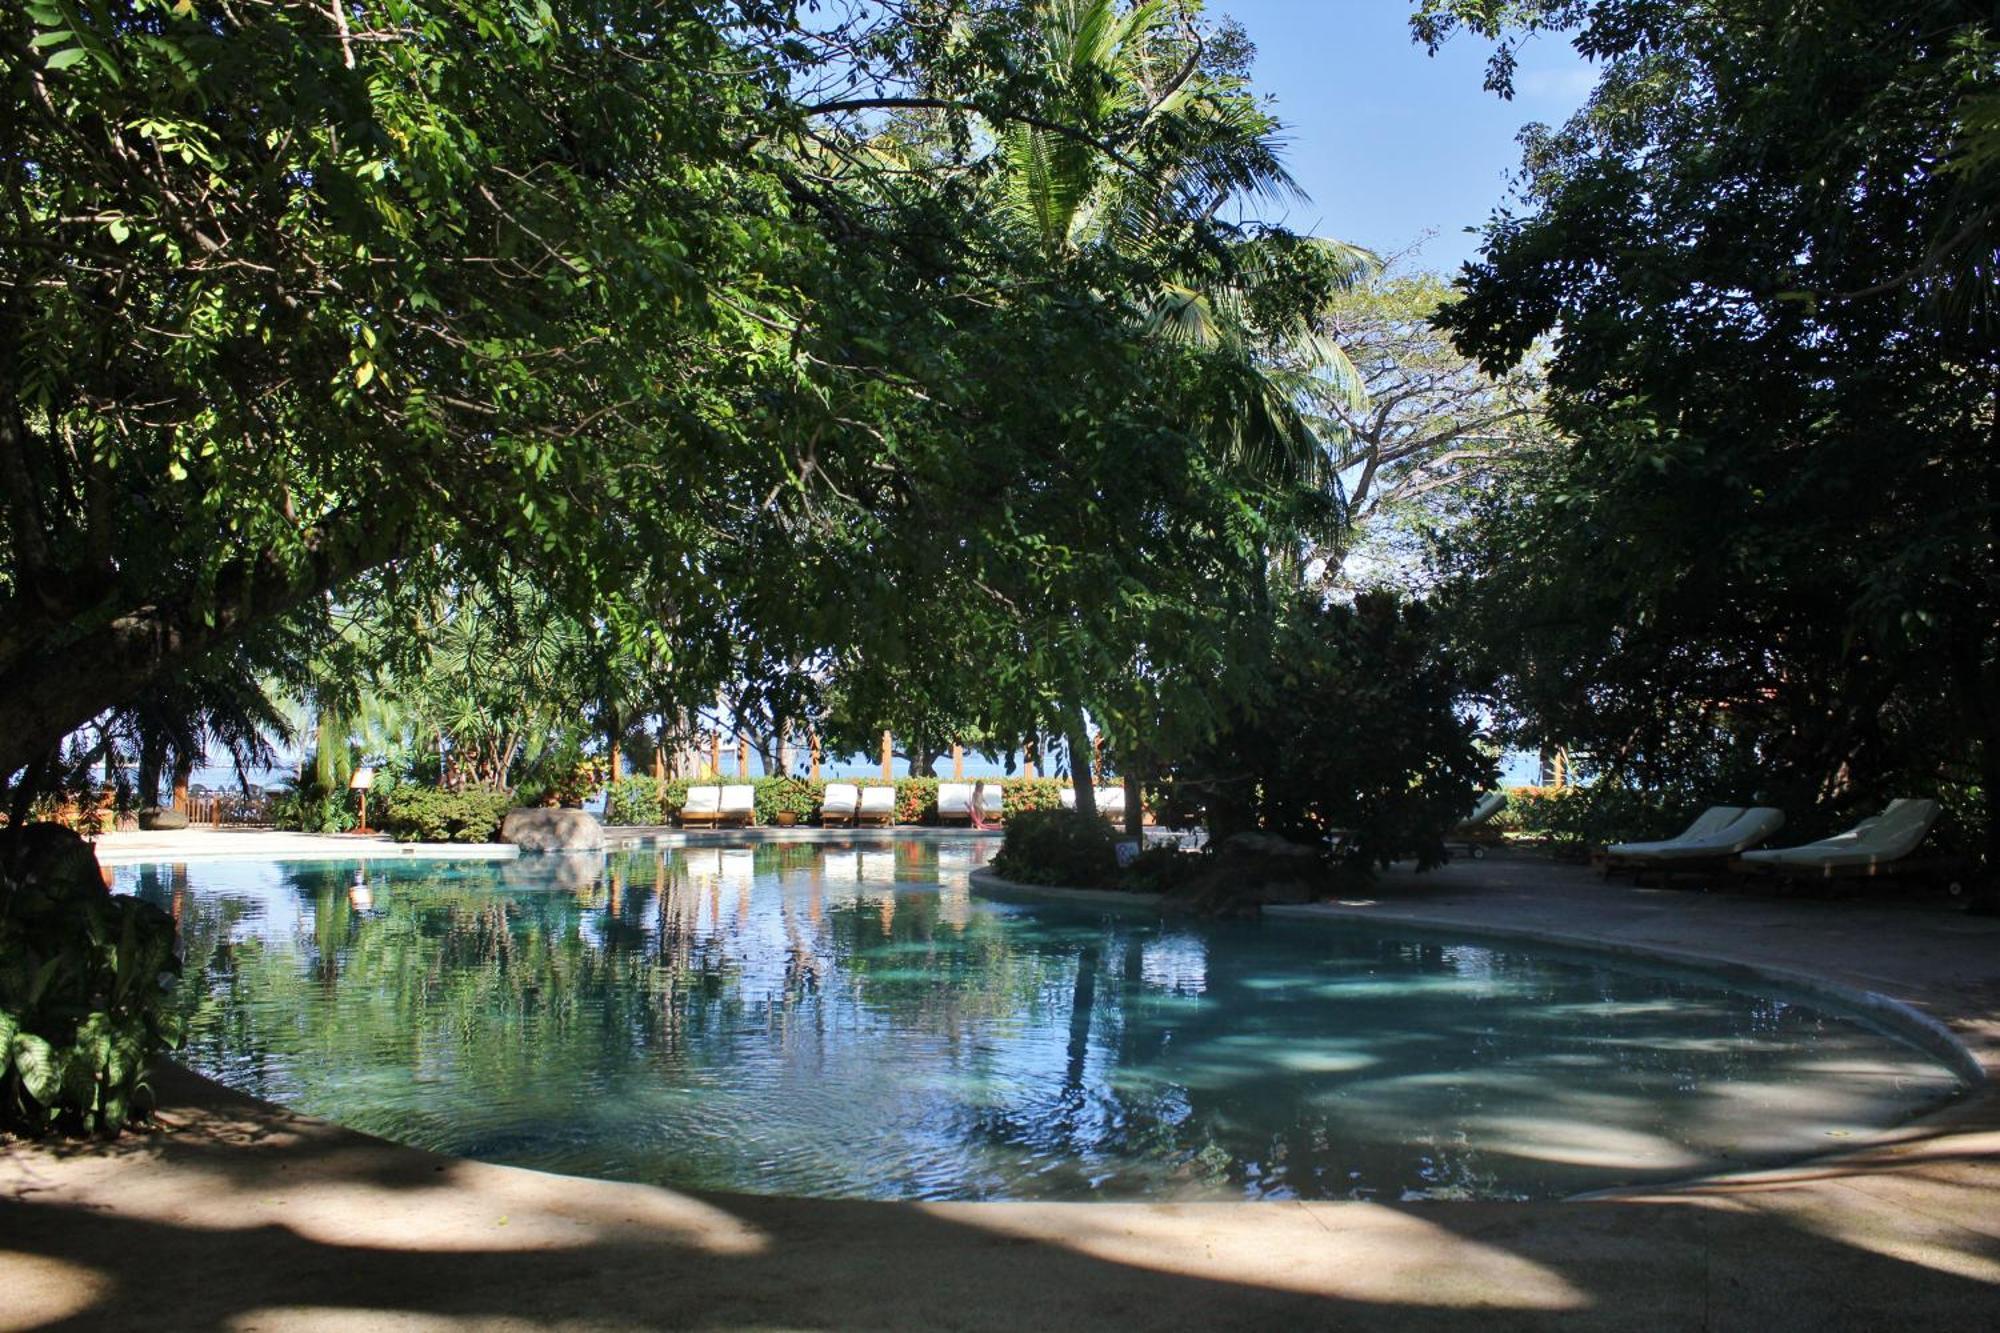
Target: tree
[[1430, 426], [292, 292], [1778, 527]]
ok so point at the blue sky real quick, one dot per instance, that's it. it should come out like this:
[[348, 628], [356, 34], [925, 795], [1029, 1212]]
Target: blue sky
[[1390, 142]]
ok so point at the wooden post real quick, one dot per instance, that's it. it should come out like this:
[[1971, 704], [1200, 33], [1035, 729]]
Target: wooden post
[[183, 771], [715, 752], [888, 757], [785, 751], [614, 732], [659, 762], [1097, 760], [1028, 758], [812, 739], [957, 763], [742, 757]]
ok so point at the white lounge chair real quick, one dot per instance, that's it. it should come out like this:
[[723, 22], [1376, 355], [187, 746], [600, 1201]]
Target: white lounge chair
[[992, 802], [1111, 803], [1872, 847], [839, 804], [954, 802], [878, 806], [1472, 833], [1720, 832], [704, 806], [739, 804]]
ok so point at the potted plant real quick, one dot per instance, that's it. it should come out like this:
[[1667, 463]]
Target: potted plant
[[791, 802]]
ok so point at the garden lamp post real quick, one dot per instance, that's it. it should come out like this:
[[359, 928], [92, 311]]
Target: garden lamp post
[[363, 779]]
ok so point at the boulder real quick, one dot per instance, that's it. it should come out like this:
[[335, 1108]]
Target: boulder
[[540, 829], [1256, 843], [159, 819]]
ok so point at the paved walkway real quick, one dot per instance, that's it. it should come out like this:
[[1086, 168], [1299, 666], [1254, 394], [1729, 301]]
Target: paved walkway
[[244, 1216]]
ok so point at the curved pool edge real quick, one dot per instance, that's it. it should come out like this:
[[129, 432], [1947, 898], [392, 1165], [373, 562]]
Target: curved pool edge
[[1928, 1034], [1977, 1107]]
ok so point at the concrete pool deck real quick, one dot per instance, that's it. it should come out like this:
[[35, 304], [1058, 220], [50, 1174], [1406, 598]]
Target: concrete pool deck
[[242, 1215]]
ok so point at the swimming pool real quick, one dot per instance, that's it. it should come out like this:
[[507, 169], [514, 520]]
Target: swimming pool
[[848, 1020]]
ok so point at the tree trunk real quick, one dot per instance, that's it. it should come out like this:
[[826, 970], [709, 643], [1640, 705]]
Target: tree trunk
[[1135, 812], [1076, 735], [183, 773]]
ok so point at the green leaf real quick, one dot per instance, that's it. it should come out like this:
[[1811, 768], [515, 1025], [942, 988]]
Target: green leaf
[[63, 59], [41, 1072]]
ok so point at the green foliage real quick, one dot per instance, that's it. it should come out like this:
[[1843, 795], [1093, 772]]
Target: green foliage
[[429, 814], [1592, 815], [1060, 847], [786, 795], [1355, 727], [310, 811], [1160, 870], [1020, 795], [635, 800], [1765, 559], [916, 800], [82, 1004]]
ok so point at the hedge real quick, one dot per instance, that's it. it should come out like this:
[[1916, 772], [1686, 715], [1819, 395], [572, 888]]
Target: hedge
[[645, 800], [428, 814]]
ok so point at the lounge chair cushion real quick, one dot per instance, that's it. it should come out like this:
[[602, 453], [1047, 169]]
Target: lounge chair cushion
[[955, 800], [841, 798], [878, 800], [703, 801], [991, 799], [1889, 836], [1489, 805], [1708, 838], [738, 799]]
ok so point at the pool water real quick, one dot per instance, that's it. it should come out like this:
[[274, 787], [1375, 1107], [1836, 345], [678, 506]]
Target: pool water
[[849, 1020]]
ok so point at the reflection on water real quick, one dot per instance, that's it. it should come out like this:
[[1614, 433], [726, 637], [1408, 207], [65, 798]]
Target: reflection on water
[[846, 1019]]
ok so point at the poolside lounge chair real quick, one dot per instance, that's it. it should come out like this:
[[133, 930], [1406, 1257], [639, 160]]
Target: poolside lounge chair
[[878, 807], [992, 802], [1111, 803], [954, 802], [739, 804], [704, 806], [1720, 832], [1472, 833], [839, 804], [1877, 846]]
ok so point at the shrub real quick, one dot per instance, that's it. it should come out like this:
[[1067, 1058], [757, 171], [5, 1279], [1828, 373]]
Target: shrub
[[1591, 816], [634, 800], [427, 814], [1020, 795], [1057, 847], [312, 809], [1159, 870], [783, 795], [916, 800], [83, 978]]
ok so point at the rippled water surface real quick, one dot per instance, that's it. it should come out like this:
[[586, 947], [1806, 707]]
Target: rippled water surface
[[847, 1019]]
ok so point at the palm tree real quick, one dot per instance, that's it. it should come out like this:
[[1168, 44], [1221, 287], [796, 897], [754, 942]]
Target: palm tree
[[1172, 148]]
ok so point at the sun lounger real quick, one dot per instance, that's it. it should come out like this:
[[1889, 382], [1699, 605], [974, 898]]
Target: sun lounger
[[704, 806], [1877, 846], [839, 804], [1111, 803], [1720, 832], [954, 802], [739, 804], [992, 802], [878, 806], [1472, 834]]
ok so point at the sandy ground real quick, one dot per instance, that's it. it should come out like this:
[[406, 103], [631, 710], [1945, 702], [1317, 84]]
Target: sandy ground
[[242, 1216]]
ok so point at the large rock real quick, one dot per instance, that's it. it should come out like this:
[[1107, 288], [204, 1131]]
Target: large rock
[[540, 829], [159, 819]]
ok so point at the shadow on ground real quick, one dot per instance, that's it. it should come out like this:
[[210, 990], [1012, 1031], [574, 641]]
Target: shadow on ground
[[247, 1217]]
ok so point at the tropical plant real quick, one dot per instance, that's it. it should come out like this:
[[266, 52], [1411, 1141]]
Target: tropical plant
[[83, 1008], [634, 800]]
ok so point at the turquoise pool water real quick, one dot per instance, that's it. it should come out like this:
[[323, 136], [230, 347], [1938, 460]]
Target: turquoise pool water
[[848, 1020]]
